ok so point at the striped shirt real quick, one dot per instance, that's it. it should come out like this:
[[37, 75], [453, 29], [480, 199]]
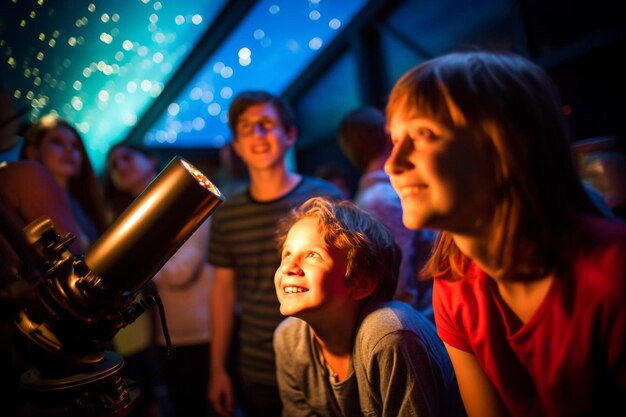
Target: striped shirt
[[243, 238]]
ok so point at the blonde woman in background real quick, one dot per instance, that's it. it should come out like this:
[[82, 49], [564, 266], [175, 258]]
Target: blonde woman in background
[[58, 146]]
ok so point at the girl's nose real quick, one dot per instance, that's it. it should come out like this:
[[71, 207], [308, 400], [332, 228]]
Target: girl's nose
[[398, 160]]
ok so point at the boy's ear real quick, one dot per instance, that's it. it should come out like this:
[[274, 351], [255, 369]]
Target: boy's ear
[[362, 287]]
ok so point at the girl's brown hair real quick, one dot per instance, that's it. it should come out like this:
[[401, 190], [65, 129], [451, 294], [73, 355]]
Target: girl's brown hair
[[513, 111]]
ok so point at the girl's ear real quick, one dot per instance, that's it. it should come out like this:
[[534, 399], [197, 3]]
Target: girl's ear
[[362, 287]]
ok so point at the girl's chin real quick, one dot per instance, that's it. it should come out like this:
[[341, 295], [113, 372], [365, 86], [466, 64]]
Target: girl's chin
[[413, 222]]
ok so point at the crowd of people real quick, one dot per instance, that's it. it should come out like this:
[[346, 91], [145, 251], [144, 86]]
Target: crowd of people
[[470, 271]]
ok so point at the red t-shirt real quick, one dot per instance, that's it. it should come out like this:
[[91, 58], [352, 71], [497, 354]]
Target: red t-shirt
[[569, 359]]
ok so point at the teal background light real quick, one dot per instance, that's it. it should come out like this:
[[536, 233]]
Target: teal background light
[[97, 64]]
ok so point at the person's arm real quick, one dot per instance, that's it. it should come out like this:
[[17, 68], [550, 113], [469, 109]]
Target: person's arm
[[223, 303], [479, 395], [29, 191]]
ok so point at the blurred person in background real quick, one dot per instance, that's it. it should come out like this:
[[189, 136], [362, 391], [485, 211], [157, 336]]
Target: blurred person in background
[[184, 284], [58, 146], [364, 140]]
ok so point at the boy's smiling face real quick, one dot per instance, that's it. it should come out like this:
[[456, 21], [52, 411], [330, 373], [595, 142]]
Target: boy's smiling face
[[311, 277], [261, 140]]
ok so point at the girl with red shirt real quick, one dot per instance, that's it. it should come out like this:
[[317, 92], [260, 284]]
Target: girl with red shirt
[[530, 280]]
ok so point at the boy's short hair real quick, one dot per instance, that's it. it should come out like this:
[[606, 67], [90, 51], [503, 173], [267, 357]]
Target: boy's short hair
[[370, 247], [249, 98], [363, 136]]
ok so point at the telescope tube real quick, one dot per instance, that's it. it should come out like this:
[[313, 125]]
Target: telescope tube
[[152, 228]]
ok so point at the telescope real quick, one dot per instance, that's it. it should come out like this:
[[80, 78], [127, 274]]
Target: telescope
[[73, 306]]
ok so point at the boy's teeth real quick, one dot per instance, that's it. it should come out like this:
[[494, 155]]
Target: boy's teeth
[[291, 290]]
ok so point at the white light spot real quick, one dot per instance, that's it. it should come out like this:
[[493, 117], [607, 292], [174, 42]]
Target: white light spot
[[207, 96], [195, 93], [334, 24], [156, 89], [103, 95], [77, 85], [173, 109], [314, 15], [274, 8], [180, 19], [214, 109], [244, 53], [131, 87], [83, 127], [159, 37], [315, 43], [198, 123], [129, 119], [77, 103], [196, 19], [258, 34], [146, 85], [226, 93], [157, 57], [217, 68], [226, 72], [106, 38]]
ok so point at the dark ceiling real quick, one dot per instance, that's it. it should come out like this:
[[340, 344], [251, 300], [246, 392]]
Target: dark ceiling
[[163, 72]]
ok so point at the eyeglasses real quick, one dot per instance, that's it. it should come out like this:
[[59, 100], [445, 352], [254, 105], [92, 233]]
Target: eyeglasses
[[246, 128]]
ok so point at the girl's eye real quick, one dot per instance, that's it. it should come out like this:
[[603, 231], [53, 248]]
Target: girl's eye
[[312, 254], [425, 133]]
